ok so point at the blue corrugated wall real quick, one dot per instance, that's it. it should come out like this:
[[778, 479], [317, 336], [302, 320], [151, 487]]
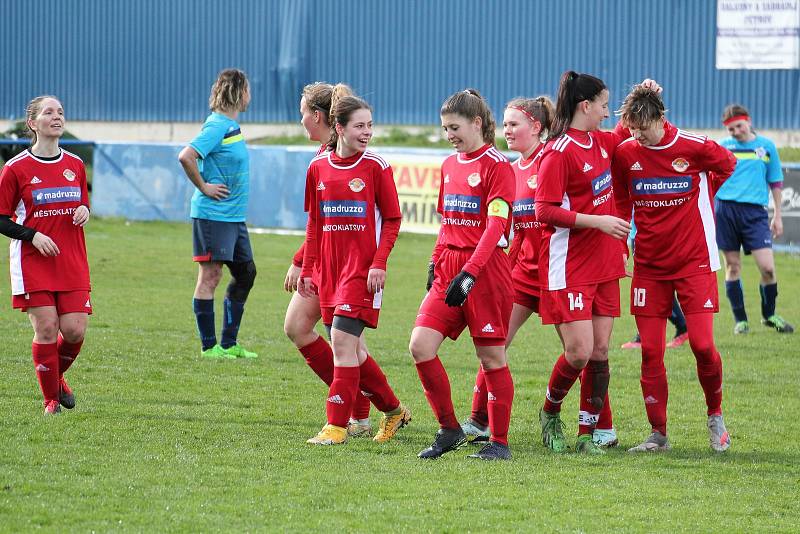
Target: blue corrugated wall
[[154, 60]]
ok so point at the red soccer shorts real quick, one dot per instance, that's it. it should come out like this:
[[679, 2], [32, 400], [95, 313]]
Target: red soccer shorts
[[580, 303], [64, 301], [487, 309], [524, 298], [653, 298], [367, 315]]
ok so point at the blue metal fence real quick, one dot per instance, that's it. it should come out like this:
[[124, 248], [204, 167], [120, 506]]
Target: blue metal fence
[[150, 60]]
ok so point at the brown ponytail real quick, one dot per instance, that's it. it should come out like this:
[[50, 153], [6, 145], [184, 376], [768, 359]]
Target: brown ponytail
[[343, 104]]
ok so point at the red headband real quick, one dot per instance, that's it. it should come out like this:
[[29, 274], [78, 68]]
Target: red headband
[[531, 117], [736, 118]]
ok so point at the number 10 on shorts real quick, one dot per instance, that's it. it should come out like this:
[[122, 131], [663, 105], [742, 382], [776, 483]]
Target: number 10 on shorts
[[575, 301], [639, 297]]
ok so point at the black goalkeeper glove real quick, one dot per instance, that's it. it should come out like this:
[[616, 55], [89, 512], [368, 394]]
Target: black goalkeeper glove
[[429, 285], [459, 288]]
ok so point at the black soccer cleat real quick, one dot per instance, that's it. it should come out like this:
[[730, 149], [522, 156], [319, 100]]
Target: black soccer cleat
[[65, 395], [447, 439], [493, 451]]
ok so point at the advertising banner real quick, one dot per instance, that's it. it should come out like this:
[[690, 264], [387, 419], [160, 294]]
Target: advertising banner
[[758, 34]]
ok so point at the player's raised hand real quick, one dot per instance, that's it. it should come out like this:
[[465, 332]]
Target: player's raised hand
[[652, 85], [215, 191], [613, 226], [292, 277], [81, 216], [45, 245], [376, 279]]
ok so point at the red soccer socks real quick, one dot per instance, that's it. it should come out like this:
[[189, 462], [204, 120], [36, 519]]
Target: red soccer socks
[[341, 395], [436, 385], [480, 414], [561, 380], [374, 382], [594, 394], [45, 360], [319, 356], [67, 352], [500, 394]]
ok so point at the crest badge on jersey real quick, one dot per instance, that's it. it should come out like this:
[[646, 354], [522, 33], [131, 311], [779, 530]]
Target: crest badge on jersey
[[532, 181], [680, 164], [603, 153], [356, 185], [474, 179], [761, 152], [69, 175]]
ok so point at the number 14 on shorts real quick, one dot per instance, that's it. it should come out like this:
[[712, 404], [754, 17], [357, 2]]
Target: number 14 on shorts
[[575, 301]]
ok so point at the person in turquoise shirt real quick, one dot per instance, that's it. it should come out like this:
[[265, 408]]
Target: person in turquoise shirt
[[743, 219], [218, 165]]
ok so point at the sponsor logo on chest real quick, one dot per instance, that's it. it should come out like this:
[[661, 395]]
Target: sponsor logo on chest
[[463, 203], [523, 207], [343, 208], [52, 195], [662, 185], [601, 183]]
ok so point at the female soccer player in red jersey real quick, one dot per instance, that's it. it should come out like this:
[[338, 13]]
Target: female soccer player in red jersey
[[353, 220], [44, 204], [470, 274], [303, 314], [668, 176], [526, 121], [581, 258]]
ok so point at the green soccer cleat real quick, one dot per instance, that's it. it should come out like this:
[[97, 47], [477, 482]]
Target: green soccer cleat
[[585, 445], [742, 327], [215, 352], [778, 323], [238, 351], [552, 431]]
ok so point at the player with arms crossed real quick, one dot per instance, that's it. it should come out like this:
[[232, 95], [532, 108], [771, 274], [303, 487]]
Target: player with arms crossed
[[743, 220], [218, 165], [353, 221], [667, 176], [44, 204], [303, 314], [471, 275]]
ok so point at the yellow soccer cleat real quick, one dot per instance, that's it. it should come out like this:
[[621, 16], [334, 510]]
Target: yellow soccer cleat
[[390, 424], [330, 435]]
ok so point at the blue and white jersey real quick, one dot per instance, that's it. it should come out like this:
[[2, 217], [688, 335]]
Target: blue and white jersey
[[757, 166], [224, 160]]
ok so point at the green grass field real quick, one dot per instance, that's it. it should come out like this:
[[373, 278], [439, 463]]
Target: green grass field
[[164, 441]]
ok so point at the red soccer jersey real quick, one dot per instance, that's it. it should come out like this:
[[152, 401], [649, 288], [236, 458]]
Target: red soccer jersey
[[471, 181], [575, 174], [673, 207], [526, 229], [43, 195], [347, 201], [297, 259]]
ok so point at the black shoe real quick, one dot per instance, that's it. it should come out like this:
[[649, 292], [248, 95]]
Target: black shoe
[[65, 395], [447, 439], [493, 451]]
